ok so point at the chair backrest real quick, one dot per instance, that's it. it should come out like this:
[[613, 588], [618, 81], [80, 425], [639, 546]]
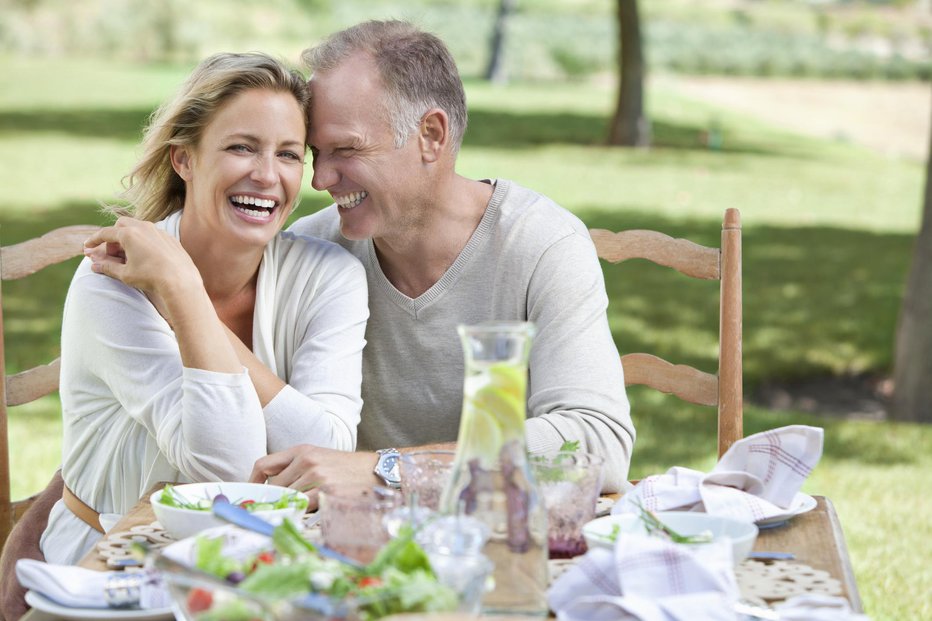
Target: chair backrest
[[18, 261], [722, 389]]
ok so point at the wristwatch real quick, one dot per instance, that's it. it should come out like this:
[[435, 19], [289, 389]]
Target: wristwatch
[[387, 467]]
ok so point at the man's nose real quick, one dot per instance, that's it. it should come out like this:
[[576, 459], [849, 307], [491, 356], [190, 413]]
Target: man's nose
[[325, 174]]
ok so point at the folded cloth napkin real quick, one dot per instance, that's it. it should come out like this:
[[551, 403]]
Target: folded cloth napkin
[[77, 587], [648, 579], [757, 478]]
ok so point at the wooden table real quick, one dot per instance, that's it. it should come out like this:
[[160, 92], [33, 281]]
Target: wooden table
[[816, 538]]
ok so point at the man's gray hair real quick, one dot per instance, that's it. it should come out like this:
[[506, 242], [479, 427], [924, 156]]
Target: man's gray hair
[[416, 69]]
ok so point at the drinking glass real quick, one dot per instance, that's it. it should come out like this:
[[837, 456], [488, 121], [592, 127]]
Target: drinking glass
[[352, 519], [424, 475], [570, 483]]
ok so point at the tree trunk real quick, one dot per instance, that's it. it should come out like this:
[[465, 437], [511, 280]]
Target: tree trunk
[[496, 71], [629, 127], [912, 363]]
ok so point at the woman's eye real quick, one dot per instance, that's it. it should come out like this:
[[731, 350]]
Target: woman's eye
[[239, 148], [291, 155]]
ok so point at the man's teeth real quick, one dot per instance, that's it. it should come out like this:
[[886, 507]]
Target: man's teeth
[[351, 200]]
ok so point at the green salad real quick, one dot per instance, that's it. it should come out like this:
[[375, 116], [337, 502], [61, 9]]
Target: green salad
[[293, 500], [399, 579]]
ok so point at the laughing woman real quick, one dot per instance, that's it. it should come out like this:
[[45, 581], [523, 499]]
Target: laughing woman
[[197, 336]]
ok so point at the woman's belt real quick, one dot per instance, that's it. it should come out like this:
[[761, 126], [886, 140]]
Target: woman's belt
[[81, 510]]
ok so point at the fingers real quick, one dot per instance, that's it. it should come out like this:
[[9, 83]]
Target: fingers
[[269, 466], [284, 467], [113, 235], [104, 235], [313, 500]]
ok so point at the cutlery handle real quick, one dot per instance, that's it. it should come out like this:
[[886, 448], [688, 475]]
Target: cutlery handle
[[771, 556], [242, 518]]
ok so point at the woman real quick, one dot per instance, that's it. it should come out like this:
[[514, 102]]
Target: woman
[[197, 337]]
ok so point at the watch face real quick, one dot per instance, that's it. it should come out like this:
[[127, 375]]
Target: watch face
[[390, 468]]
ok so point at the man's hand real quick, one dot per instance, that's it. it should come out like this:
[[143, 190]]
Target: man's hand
[[306, 467]]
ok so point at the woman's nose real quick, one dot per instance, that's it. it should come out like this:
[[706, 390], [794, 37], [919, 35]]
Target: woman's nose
[[264, 170]]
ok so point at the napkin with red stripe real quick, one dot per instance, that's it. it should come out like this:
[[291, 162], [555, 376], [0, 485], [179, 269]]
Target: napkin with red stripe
[[648, 579], [757, 478]]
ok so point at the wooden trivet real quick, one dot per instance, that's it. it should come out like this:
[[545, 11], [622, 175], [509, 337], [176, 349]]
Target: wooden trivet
[[116, 548], [774, 581]]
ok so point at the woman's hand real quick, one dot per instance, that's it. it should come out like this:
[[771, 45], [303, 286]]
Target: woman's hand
[[142, 256]]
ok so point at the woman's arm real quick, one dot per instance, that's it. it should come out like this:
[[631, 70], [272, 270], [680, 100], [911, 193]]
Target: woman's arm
[[118, 351], [319, 313]]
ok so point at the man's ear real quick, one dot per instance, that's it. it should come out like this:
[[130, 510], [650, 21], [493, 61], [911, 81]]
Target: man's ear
[[433, 134], [181, 161]]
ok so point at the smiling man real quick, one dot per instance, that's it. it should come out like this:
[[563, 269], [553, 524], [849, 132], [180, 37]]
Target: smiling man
[[387, 118]]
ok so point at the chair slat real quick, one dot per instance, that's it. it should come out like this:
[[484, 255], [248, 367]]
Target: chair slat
[[685, 382], [28, 257], [32, 384], [18, 261], [682, 255]]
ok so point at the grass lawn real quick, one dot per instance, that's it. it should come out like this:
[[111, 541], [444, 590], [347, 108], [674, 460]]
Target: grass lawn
[[828, 229]]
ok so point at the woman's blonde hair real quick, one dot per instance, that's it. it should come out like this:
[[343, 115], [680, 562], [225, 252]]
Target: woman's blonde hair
[[153, 188]]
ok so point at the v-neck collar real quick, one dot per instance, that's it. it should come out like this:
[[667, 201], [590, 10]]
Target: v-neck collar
[[414, 305]]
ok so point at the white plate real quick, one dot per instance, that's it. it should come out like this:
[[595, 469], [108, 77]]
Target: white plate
[[42, 603], [801, 504]]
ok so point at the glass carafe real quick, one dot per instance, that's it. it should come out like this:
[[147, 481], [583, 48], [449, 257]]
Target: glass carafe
[[492, 479]]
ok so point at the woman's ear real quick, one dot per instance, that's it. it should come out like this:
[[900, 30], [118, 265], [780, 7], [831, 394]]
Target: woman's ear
[[433, 134], [181, 161]]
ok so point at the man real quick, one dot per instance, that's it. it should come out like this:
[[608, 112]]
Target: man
[[388, 115]]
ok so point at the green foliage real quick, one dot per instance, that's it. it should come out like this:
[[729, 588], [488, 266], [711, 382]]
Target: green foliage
[[552, 39]]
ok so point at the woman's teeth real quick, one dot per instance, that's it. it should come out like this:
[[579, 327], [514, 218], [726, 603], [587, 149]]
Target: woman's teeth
[[264, 205], [351, 200]]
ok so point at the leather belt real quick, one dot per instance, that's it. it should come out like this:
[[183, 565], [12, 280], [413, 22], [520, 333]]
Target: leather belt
[[81, 510]]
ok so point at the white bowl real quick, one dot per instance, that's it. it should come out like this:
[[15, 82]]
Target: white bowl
[[742, 534], [181, 523]]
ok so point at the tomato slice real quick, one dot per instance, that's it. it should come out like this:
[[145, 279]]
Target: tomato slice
[[199, 600], [367, 581], [266, 557]]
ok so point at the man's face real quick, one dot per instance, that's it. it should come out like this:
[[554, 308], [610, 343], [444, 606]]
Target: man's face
[[377, 187]]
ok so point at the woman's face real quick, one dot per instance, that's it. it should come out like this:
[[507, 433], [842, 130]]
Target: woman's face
[[244, 175]]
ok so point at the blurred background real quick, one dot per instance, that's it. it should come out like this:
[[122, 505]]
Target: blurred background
[[811, 117]]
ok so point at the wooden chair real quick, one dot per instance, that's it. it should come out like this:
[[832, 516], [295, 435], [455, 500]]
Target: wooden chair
[[722, 389], [18, 261]]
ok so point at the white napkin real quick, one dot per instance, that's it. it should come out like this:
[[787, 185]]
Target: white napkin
[[648, 579], [757, 478], [77, 587]]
